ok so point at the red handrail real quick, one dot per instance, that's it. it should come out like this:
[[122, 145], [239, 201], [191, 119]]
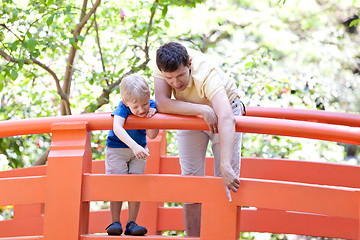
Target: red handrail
[[321, 116], [103, 121]]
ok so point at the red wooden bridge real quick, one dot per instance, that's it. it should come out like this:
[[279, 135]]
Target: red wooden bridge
[[287, 196]]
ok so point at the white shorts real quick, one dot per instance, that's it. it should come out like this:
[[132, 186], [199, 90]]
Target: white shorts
[[123, 161], [192, 145]]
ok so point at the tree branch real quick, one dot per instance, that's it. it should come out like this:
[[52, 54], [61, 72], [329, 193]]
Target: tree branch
[[104, 97], [42, 65], [219, 36], [42, 160], [146, 49], [70, 61], [84, 20], [98, 43], [4, 26]]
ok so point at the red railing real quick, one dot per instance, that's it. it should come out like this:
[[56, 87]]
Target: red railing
[[52, 202]]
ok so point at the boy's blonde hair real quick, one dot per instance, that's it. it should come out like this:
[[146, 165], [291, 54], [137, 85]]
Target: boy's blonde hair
[[133, 88]]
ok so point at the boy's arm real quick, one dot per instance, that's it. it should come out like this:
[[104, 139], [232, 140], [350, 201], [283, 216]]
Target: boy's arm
[[227, 138], [120, 132], [152, 133], [165, 104]]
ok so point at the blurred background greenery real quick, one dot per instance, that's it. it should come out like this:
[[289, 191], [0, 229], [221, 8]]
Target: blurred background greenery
[[68, 57]]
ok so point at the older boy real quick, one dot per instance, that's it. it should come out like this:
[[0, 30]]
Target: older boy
[[126, 150]]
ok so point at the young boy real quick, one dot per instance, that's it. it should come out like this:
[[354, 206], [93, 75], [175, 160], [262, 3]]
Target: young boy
[[126, 150]]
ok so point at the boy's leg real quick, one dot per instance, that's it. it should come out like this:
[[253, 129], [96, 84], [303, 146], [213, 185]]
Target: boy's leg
[[115, 163], [192, 151], [136, 166], [133, 211], [115, 227], [131, 227], [115, 210]]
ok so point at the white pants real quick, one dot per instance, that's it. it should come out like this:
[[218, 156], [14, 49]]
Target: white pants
[[193, 144]]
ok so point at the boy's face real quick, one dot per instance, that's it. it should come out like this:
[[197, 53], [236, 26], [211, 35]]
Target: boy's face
[[139, 108], [178, 79]]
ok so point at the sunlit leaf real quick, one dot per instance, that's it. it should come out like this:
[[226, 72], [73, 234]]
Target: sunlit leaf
[[13, 74], [81, 38], [21, 64], [249, 65], [31, 43], [142, 31], [14, 46], [354, 23], [68, 9], [164, 11], [50, 20]]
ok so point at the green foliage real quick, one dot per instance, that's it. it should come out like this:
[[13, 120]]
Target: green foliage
[[21, 151], [98, 144], [269, 146], [6, 212]]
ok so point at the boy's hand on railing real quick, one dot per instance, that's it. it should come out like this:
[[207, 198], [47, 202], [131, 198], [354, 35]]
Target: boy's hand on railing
[[140, 152], [230, 181], [151, 112]]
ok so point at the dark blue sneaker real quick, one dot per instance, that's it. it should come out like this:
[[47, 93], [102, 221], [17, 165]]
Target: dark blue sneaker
[[114, 228], [133, 229]]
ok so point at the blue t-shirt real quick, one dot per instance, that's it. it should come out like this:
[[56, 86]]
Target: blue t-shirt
[[138, 135]]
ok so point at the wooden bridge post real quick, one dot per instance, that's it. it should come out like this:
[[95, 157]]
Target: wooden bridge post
[[219, 221], [66, 216]]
